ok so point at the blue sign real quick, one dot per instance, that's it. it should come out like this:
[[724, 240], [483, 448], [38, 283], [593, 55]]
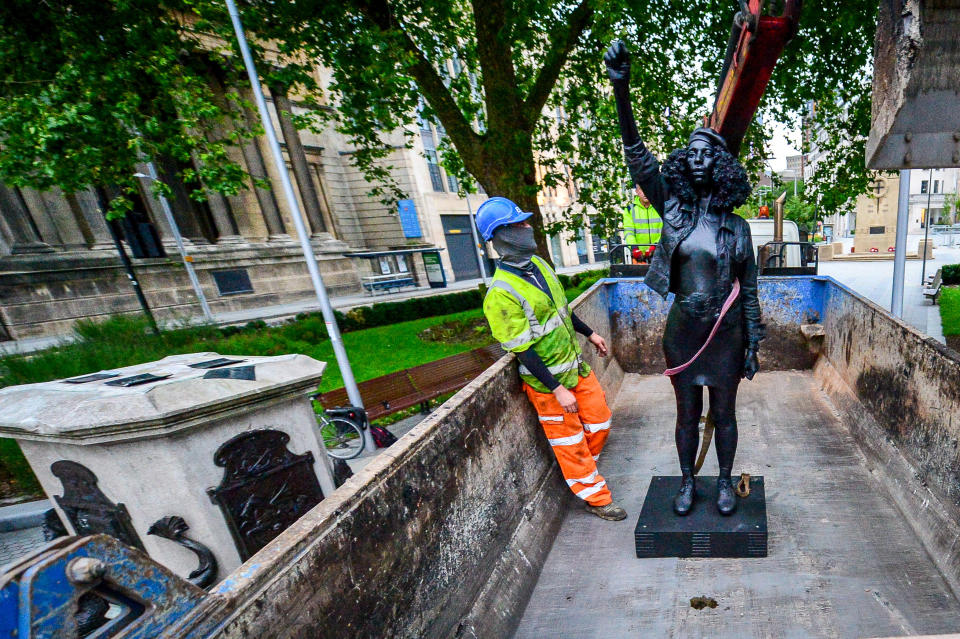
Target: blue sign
[[408, 219]]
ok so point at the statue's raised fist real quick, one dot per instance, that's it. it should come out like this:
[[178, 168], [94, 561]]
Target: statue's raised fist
[[617, 59]]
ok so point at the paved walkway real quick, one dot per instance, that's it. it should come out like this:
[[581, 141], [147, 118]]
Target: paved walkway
[[874, 280], [280, 312]]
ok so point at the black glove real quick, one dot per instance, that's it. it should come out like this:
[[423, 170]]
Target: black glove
[[617, 59], [751, 363]]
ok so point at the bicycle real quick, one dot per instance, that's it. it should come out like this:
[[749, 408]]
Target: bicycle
[[341, 429]]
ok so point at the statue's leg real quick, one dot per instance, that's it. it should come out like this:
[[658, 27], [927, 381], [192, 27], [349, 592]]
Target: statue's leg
[[723, 408], [689, 410]]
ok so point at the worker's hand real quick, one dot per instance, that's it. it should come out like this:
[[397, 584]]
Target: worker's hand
[[751, 364], [599, 343], [617, 59], [568, 401]]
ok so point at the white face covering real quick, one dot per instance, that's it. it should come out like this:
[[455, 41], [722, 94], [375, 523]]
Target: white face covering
[[515, 244]]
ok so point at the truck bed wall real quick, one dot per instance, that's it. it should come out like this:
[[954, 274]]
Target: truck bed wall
[[445, 533], [441, 535], [899, 392]]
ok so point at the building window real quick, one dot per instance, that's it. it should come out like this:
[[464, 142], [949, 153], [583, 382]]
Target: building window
[[434, 167], [923, 186], [452, 183], [936, 186]]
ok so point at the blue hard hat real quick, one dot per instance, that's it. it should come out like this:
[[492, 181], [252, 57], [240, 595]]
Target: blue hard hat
[[497, 212]]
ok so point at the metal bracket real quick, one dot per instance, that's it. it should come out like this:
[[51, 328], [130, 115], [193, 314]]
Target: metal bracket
[[175, 529]]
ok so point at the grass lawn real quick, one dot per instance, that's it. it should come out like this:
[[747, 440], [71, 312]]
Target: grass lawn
[[950, 315], [124, 341]]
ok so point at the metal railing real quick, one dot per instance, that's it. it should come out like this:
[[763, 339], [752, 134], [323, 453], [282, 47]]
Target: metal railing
[[780, 258]]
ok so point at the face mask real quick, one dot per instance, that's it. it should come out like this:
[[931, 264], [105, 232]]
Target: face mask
[[515, 244]]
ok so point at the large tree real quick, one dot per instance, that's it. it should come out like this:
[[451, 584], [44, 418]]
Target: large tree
[[514, 85]]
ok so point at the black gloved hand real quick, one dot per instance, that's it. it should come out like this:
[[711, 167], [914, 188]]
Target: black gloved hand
[[617, 59], [751, 363]]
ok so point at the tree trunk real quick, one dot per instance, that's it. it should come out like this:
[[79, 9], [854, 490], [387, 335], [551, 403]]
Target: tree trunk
[[506, 168]]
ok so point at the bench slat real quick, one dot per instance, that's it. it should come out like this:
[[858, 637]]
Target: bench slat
[[404, 389]]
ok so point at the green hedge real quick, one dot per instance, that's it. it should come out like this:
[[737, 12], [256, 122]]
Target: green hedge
[[311, 327], [951, 274]]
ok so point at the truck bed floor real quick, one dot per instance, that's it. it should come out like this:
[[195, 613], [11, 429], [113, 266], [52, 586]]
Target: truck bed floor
[[842, 563]]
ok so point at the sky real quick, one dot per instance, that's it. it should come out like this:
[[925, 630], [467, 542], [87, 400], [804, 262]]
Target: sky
[[781, 147]]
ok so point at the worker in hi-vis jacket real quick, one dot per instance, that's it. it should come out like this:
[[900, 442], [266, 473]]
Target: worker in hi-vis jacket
[[528, 314]]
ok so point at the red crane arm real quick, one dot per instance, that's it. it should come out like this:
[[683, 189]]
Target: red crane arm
[[756, 42]]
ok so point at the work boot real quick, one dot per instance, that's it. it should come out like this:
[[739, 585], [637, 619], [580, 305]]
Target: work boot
[[683, 502], [726, 498], [610, 512]]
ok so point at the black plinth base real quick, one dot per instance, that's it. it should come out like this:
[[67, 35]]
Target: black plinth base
[[704, 532]]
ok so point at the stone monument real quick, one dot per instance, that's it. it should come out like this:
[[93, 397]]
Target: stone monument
[[197, 456]]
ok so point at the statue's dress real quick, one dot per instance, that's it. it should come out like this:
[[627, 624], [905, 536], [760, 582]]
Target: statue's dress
[[694, 311]]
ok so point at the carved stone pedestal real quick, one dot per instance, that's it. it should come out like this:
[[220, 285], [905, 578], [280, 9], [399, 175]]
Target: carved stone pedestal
[[228, 444]]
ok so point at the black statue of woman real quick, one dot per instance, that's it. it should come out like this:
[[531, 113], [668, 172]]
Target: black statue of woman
[[705, 253]]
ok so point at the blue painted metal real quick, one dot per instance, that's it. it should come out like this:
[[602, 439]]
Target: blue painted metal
[[408, 219], [786, 300], [38, 601]]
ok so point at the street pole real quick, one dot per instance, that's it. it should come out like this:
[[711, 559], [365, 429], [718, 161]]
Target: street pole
[[900, 247], [926, 228], [132, 276], [476, 239], [329, 319], [187, 259]]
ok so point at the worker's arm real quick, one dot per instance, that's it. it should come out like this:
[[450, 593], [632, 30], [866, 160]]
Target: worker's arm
[[538, 369], [643, 166], [598, 342], [579, 326]]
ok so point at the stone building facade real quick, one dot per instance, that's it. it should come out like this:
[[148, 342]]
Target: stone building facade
[[59, 264]]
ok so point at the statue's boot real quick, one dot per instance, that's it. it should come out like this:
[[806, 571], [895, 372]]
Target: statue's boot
[[726, 498], [683, 501]]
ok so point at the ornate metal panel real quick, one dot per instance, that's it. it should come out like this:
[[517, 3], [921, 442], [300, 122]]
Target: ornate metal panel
[[264, 489], [88, 509]]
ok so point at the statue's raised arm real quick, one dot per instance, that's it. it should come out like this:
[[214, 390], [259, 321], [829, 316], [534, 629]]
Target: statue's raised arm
[[644, 167]]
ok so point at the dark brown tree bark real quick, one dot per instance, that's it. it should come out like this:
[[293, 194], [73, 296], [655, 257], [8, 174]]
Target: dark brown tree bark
[[501, 158]]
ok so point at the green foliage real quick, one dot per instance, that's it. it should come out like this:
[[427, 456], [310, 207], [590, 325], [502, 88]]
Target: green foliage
[[800, 208], [950, 310], [385, 313], [90, 88], [951, 274], [16, 479]]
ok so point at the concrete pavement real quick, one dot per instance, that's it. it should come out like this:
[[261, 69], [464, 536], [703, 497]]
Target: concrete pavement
[[874, 280]]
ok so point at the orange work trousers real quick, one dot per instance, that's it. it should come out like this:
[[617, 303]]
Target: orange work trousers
[[577, 438]]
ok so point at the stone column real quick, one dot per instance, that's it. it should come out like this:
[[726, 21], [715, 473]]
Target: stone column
[[266, 198], [72, 229], [225, 227], [37, 208], [90, 220], [25, 236], [298, 159]]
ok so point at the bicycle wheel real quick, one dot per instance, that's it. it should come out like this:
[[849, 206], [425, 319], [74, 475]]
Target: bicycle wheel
[[342, 438]]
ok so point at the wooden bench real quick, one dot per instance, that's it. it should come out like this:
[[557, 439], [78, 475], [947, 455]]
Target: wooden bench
[[931, 289], [418, 385], [374, 283]]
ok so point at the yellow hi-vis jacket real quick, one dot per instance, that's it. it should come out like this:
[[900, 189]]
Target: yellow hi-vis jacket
[[641, 225], [521, 316]]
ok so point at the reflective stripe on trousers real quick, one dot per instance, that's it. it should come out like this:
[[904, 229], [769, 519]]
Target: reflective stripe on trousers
[[577, 438]]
